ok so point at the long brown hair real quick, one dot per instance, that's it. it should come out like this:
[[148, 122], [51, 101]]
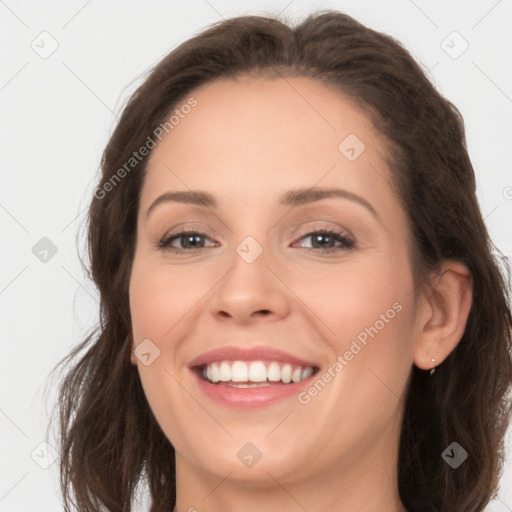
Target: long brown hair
[[110, 441]]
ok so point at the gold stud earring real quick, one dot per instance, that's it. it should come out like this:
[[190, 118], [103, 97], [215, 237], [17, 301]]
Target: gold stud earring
[[433, 369]]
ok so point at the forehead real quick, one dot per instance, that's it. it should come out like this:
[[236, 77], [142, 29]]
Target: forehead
[[251, 133]]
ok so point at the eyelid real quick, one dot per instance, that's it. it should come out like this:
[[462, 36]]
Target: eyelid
[[189, 227]]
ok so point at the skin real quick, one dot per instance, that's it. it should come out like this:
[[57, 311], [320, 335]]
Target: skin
[[247, 142]]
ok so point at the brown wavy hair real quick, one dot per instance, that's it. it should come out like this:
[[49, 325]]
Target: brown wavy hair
[[110, 442]]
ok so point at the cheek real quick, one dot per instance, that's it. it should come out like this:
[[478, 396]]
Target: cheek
[[159, 298], [368, 311], [351, 298]]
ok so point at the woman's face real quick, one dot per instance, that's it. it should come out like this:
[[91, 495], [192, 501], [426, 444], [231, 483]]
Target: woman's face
[[260, 282]]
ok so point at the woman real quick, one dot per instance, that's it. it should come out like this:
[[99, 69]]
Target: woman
[[299, 305]]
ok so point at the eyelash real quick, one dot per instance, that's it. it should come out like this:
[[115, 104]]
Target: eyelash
[[347, 243]]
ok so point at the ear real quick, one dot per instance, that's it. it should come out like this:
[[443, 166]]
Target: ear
[[443, 314]]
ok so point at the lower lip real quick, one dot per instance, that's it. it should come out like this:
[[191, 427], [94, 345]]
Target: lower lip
[[250, 397]]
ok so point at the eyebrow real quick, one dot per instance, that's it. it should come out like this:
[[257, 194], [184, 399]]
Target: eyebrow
[[294, 197]]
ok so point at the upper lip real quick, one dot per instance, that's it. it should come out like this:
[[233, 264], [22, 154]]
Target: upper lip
[[254, 353]]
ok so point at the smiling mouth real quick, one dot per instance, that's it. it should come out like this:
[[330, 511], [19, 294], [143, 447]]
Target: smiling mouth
[[253, 374]]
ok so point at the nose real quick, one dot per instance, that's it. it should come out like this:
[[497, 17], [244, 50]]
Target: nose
[[250, 292]]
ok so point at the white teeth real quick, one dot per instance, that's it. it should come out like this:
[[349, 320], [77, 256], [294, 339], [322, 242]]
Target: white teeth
[[254, 372], [215, 372], [225, 372], [257, 372], [307, 372], [239, 372], [274, 372], [286, 373], [297, 374]]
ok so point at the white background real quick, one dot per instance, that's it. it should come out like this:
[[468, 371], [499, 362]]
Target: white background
[[56, 117]]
